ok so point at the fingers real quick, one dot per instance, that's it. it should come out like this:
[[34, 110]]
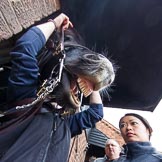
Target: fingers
[[67, 25], [66, 22], [62, 21]]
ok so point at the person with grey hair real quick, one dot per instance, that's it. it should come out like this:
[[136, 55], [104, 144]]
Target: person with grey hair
[[112, 151], [136, 132]]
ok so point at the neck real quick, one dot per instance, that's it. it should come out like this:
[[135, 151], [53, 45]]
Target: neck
[[113, 157]]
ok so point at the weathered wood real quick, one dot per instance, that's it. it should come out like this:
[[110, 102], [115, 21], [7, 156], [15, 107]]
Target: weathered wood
[[37, 12], [10, 16], [21, 13], [57, 4], [28, 8], [5, 31], [16, 15], [49, 4], [43, 8]]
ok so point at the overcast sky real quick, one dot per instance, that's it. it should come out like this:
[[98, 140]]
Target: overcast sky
[[113, 115]]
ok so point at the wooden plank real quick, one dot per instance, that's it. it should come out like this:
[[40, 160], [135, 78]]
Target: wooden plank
[[5, 31], [18, 14], [43, 8], [49, 6], [57, 4], [36, 5], [28, 9], [21, 13], [10, 16], [53, 6]]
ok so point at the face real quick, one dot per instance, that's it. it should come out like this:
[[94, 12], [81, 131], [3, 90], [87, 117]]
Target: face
[[132, 129], [112, 149]]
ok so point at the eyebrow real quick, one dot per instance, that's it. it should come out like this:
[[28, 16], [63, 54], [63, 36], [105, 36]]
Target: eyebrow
[[111, 144], [132, 120], [129, 120]]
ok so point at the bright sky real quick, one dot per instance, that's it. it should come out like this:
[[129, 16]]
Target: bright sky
[[112, 115]]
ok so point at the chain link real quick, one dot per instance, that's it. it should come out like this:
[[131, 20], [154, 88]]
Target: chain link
[[43, 93]]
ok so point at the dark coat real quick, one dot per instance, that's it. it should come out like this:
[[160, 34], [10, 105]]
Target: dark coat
[[140, 152]]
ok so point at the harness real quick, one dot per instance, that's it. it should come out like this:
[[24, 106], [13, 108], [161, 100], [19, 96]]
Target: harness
[[52, 82], [48, 85], [33, 106]]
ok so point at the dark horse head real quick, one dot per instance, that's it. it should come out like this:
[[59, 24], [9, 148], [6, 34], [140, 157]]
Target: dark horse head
[[83, 70]]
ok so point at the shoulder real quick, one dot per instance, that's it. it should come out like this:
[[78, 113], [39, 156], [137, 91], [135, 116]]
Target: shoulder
[[157, 155], [100, 159], [121, 158]]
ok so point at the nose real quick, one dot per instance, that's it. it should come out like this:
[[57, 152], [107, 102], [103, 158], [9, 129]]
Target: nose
[[128, 127]]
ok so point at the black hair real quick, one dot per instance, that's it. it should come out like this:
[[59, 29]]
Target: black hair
[[144, 121]]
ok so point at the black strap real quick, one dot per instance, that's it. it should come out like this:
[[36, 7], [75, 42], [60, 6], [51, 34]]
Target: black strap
[[14, 116]]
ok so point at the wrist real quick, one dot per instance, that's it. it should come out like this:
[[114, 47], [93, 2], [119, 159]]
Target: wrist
[[54, 22]]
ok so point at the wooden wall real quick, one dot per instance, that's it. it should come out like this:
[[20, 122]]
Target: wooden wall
[[16, 15]]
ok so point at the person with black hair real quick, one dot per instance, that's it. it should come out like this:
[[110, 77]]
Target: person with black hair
[[136, 132]]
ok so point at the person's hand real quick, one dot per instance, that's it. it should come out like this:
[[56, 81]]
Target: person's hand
[[62, 21]]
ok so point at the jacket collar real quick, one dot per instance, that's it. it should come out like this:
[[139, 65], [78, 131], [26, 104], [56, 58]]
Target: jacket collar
[[137, 148]]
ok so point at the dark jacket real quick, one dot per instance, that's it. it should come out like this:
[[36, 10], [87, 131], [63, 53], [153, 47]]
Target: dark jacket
[[45, 137], [140, 152], [105, 159]]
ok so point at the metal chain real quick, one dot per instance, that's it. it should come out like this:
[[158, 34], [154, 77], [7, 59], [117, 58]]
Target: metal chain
[[45, 91], [51, 83]]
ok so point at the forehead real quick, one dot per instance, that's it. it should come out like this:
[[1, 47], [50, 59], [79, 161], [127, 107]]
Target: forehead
[[111, 142], [129, 119]]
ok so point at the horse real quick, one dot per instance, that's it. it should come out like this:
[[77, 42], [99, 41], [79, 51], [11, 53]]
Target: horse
[[67, 71], [130, 31], [84, 70]]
